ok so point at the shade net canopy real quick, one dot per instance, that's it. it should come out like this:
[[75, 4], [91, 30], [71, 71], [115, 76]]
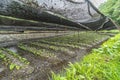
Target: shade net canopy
[[81, 14]]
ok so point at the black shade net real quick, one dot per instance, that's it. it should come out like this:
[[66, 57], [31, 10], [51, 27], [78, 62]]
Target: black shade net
[[81, 14]]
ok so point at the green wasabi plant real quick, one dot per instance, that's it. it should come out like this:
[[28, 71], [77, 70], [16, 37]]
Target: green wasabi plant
[[102, 64]]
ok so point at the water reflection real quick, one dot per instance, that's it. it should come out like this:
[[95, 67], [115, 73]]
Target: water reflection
[[13, 49]]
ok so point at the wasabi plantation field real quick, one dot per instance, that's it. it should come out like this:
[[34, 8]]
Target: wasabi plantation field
[[59, 39], [41, 59]]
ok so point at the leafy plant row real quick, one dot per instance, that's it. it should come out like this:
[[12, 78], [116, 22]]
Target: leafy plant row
[[9, 62], [76, 39], [38, 52], [102, 64], [51, 47], [60, 44]]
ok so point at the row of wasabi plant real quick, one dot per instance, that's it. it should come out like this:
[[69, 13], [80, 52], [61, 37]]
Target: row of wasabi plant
[[9, 62], [52, 47], [76, 39], [60, 44], [38, 52], [101, 64]]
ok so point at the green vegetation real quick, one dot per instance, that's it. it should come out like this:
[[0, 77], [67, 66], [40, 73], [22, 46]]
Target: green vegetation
[[111, 8], [76, 39], [17, 56], [4, 55], [60, 44], [101, 64], [51, 47], [38, 52]]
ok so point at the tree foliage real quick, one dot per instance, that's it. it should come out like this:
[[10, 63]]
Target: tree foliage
[[111, 8]]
